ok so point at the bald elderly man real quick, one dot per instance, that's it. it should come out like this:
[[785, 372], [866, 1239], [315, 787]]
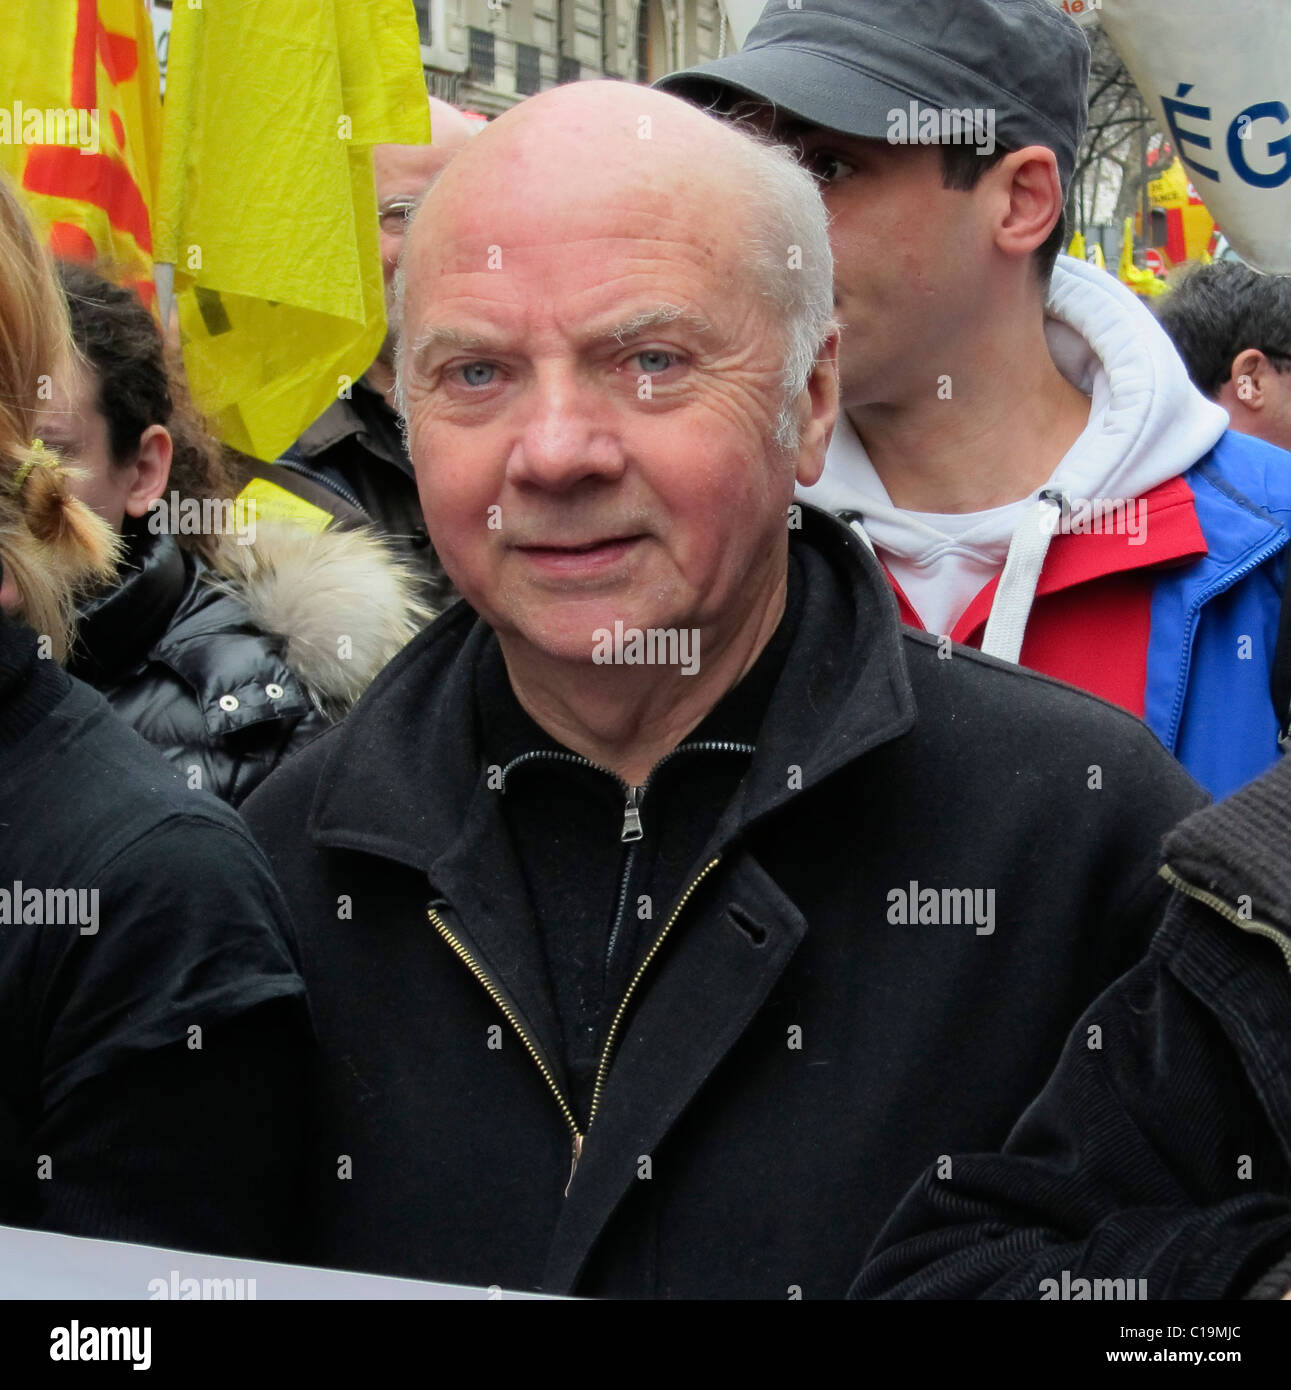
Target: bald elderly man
[[666, 908], [352, 460]]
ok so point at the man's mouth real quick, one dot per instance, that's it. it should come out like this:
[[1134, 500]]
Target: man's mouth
[[574, 557]]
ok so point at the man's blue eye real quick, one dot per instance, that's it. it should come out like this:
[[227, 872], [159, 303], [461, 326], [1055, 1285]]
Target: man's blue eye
[[654, 360], [478, 373]]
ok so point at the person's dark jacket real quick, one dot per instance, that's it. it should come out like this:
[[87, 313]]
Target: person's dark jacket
[[153, 1031], [353, 457], [790, 1057], [1160, 1150], [228, 670]]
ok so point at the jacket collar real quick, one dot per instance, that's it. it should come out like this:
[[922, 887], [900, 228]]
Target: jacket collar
[[365, 417], [405, 777], [1237, 849], [119, 626]]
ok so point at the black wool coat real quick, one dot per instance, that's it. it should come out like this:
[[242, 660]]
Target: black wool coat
[[793, 1053], [1159, 1154]]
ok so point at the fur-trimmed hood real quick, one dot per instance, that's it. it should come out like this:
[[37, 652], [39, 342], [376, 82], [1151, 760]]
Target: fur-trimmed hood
[[344, 605], [229, 665]]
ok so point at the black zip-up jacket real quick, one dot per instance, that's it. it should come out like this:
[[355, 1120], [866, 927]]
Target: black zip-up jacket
[[793, 1054], [354, 458], [153, 1032], [1160, 1150]]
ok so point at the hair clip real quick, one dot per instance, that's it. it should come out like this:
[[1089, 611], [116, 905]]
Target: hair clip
[[39, 456]]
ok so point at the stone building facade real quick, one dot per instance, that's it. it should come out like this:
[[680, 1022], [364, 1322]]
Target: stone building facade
[[485, 55]]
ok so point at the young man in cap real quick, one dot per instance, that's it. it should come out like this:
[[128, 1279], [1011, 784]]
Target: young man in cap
[[1019, 440]]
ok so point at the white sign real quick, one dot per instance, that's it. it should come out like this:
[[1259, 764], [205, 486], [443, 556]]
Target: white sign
[[39, 1264], [1217, 78]]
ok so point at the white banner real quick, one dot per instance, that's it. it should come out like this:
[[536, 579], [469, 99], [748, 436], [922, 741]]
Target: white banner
[[40, 1264], [1217, 78]]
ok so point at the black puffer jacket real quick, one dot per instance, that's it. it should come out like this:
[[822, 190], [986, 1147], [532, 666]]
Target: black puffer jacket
[[227, 670]]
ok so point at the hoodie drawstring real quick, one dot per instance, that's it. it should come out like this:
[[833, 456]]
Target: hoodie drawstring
[[1015, 594]]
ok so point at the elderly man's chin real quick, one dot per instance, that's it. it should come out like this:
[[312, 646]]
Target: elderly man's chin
[[578, 634]]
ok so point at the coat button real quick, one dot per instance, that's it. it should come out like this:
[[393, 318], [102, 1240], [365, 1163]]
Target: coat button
[[274, 691], [228, 703]]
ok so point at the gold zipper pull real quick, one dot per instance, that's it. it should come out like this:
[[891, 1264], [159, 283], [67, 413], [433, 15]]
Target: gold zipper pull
[[573, 1166], [632, 817]]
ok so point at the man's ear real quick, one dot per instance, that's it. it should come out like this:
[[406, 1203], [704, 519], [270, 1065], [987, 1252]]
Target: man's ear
[[151, 470], [818, 413], [1031, 202], [1247, 384]]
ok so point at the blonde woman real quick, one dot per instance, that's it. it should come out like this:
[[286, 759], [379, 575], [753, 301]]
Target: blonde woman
[[152, 1031]]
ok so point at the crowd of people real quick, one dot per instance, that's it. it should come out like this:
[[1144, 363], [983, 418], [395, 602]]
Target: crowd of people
[[716, 805]]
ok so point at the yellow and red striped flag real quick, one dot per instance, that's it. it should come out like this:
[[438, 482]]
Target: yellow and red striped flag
[[80, 128]]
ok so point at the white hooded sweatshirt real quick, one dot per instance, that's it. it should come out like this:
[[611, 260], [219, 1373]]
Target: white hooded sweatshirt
[[1147, 424]]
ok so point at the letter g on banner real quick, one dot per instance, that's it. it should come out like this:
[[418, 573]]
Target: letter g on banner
[[1238, 138]]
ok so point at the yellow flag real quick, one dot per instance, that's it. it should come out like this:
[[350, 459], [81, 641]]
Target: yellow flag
[[80, 130], [267, 208]]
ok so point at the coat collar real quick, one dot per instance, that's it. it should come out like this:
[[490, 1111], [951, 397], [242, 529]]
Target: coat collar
[[364, 417], [1237, 849], [117, 627], [405, 773]]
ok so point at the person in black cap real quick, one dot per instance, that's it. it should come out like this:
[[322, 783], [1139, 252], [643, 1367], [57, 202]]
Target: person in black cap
[[1019, 441]]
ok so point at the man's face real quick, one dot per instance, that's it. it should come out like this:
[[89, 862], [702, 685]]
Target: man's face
[[576, 469], [402, 173], [904, 249]]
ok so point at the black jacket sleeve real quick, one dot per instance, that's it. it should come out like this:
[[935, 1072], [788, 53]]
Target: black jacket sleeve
[[169, 1044], [1149, 1155], [192, 1149]]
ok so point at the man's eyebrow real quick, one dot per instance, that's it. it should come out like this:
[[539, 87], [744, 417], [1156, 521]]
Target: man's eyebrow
[[442, 336], [650, 319]]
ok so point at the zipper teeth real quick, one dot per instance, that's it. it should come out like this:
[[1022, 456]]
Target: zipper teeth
[[710, 746], [464, 956], [604, 1067], [557, 757], [341, 491], [1176, 709], [624, 881], [1226, 911]]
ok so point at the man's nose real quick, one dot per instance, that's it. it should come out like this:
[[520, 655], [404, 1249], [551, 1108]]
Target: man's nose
[[568, 434]]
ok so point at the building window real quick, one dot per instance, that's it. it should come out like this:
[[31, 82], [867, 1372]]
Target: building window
[[527, 75], [482, 57], [570, 70]]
